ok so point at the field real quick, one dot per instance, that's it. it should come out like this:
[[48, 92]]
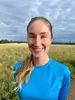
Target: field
[[11, 53]]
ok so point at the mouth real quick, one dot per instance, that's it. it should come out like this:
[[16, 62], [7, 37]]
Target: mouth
[[37, 49]]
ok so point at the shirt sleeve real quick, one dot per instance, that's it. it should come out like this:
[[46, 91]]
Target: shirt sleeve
[[65, 85], [16, 67]]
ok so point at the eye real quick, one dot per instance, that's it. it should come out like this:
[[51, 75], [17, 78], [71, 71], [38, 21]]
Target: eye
[[43, 36], [31, 36]]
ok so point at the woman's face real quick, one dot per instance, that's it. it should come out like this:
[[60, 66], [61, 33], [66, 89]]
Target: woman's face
[[39, 38]]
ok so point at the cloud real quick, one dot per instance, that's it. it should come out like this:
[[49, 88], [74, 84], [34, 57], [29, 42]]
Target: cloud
[[15, 15]]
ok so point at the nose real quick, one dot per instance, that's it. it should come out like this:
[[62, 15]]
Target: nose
[[37, 41]]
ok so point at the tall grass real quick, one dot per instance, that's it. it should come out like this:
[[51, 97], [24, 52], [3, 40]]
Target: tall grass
[[10, 54]]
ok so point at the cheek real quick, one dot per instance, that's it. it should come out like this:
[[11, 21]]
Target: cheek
[[30, 42], [46, 42]]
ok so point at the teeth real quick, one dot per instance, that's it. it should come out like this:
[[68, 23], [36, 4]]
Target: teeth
[[37, 49]]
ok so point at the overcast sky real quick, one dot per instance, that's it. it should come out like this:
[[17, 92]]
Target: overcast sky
[[15, 15]]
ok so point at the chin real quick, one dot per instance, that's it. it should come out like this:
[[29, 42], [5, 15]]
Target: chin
[[43, 53], [38, 55]]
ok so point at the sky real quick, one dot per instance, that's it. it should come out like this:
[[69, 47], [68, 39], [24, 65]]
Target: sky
[[15, 15]]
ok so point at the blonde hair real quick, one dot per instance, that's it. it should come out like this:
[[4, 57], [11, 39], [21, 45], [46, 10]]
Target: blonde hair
[[27, 66], [23, 73]]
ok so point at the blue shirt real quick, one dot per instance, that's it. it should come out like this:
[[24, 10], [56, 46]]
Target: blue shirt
[[48, 82]]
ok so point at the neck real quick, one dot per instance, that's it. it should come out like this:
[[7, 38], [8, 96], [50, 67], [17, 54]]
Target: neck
[[40, 61]]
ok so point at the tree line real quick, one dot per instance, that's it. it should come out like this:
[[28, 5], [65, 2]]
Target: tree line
[[7, 41], [4, 41]]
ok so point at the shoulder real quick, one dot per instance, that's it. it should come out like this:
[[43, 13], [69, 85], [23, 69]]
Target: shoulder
[[17, 65], [59, 68]]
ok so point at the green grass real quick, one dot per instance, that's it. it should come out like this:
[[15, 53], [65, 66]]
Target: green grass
[[10, 54]]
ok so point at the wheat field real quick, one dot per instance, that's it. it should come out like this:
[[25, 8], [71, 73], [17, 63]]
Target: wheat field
[[12, 52]]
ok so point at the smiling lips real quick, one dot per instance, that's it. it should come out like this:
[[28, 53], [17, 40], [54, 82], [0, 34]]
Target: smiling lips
[[37, 49]]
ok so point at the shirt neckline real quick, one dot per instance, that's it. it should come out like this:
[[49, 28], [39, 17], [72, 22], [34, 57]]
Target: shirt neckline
[[37, 66]]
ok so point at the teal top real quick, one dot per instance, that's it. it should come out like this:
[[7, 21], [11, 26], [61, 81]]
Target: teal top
[[50, 81]]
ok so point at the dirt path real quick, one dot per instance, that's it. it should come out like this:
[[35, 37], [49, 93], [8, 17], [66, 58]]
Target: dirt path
[[71, 95]]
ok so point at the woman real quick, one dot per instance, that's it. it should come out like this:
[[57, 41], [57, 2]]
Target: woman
[[39, 77]]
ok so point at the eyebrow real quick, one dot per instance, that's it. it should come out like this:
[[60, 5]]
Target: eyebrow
[[31, 33], [42, 33]]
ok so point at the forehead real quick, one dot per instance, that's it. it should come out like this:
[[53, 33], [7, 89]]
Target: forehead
[[38, 25]]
